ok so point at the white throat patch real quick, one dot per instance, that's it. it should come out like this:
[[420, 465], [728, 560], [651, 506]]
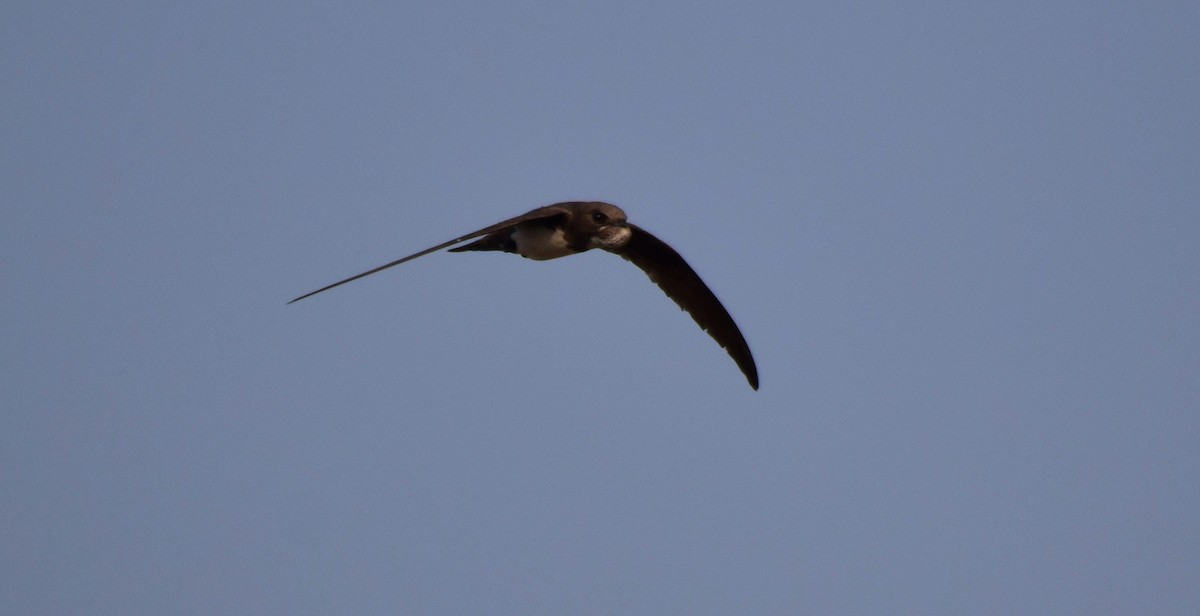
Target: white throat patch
[[616, 237]]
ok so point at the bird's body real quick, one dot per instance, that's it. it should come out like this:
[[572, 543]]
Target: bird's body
[[537, 242], [564, 229]]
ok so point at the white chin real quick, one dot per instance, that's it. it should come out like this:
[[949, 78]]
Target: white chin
[[612, 238]]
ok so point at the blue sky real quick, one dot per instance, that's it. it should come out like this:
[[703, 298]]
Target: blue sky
[[961, 241]]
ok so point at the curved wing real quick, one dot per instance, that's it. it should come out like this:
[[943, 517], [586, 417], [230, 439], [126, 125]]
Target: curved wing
[[679, 281], [541, 212]]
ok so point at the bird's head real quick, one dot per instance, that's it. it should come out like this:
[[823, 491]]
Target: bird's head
[[608, 226]]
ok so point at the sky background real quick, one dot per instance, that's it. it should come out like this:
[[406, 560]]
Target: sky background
[[962, 239]]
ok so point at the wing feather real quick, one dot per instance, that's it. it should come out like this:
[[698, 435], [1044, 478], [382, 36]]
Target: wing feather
[[667, 269], [541, 212]]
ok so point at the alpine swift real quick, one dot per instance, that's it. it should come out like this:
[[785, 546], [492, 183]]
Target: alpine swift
[[572, 227]]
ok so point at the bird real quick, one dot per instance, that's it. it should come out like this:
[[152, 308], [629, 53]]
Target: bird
[[572, 227]]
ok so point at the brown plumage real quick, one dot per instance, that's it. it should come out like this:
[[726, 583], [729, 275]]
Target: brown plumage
[[568, 228]]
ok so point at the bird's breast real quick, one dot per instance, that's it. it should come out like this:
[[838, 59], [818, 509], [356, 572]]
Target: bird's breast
[[541, 243]]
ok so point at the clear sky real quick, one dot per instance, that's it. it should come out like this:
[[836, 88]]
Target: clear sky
[[962, 239]]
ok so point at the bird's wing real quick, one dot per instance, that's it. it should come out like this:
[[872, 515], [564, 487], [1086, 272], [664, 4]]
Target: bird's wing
[[542, 212], [679, 281]]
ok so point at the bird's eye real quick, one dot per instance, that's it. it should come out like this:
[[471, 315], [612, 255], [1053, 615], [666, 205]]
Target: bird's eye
[[599, 217]]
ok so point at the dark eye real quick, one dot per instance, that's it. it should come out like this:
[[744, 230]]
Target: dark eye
[[599, 217]]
